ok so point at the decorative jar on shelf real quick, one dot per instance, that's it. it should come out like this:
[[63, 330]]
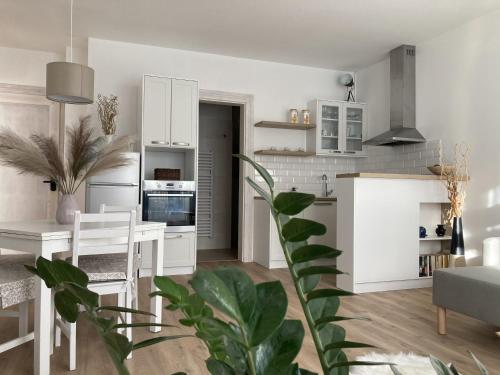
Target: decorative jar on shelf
[[306, 117], [440, 230], [294, 116]]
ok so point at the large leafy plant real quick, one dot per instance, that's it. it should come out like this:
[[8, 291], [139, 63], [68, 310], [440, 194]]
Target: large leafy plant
[[257, 339], [320, 306]]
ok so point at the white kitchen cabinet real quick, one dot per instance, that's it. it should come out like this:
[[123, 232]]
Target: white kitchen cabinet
[[267, 247], [179, 256], [169, 112], [324, 212], [184, 113], [157, 92], [340, 128]]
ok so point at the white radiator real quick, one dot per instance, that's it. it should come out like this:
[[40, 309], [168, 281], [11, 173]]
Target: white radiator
[[205, 194]]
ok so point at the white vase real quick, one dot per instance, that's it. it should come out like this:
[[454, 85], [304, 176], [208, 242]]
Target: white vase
[[66, 208]]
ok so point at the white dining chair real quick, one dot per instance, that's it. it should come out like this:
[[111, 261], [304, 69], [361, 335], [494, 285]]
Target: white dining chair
[[103, 247], [17, 287], [103, 208]]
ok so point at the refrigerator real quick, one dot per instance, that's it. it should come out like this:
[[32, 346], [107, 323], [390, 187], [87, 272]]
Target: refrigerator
[[115, 187]]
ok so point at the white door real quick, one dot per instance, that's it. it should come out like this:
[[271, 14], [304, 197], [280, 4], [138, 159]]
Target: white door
[[184, 113], [156, 102], [26, 197]]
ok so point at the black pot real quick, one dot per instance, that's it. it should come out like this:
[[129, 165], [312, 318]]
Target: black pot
[[440, 230], [457, 237]]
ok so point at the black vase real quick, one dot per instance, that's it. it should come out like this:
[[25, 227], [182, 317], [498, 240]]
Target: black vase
[[440, 230], [457, 237]]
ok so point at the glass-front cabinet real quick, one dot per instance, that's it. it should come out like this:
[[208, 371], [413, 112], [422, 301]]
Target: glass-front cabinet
[[340, 128]]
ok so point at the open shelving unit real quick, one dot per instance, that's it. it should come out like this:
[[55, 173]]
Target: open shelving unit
[[433, 250], [284, 125], [284, 153]]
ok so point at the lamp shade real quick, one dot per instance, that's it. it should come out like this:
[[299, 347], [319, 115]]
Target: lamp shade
[[70, 83]]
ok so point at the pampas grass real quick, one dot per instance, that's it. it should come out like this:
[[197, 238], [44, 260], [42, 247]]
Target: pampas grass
[[86, 155]]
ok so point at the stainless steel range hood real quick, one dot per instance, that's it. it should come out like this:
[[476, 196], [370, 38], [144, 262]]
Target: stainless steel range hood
[[403, 129]]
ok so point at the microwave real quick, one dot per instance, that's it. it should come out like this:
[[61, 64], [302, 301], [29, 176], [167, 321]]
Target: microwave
[[170, 202]]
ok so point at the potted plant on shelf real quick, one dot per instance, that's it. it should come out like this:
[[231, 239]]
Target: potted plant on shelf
[[107, 109], [456, 177], [86, 156]]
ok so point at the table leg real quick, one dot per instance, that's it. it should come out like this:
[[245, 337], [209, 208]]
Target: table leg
[[42, 326], [156, 302]]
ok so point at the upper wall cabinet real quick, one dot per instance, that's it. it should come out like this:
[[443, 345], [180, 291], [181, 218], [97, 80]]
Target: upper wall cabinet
[[169, 112], [340, 128]]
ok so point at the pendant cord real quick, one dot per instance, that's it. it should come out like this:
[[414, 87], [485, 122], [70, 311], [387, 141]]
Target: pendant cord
[[71, 33]]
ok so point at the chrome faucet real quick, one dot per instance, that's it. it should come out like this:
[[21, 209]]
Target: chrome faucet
[[326, 192]]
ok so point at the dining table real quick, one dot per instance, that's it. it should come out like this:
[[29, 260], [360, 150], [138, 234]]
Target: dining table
[[46, 238]]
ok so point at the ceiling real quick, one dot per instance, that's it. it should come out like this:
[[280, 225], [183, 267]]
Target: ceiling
[[342, 34]]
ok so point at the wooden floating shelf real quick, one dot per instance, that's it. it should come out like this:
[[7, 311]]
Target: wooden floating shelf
[[436, 238], [284, 125], [284, 153]]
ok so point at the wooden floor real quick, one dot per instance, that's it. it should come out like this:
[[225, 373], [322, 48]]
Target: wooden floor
[[400, 321], [216, 255]]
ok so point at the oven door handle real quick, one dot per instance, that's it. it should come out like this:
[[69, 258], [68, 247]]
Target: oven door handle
[[168, 195]]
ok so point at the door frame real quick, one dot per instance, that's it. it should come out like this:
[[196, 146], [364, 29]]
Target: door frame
[[246, 199]]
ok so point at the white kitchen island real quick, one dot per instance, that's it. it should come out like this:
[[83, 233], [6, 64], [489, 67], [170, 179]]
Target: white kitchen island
[[378, 219]]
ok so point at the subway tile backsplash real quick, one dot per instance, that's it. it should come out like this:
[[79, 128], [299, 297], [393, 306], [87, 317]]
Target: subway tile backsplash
[[305, 173]]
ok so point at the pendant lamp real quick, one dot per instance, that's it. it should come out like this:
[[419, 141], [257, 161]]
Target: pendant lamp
[[69, 82]]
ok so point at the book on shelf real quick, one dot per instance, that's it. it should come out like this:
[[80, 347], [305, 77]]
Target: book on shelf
[[430, 262]]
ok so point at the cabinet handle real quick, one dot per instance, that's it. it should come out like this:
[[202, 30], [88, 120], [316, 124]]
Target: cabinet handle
[[336, 152], [159, 143], [180, 143], [171, 238], [322, 203], [349, 152]]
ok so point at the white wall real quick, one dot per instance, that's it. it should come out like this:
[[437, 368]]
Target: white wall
[[24, 67], [276, 87], [216, 123], [458, 96]]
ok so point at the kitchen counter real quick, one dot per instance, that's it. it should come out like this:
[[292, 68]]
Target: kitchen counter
[[318, 199], [390, 176]]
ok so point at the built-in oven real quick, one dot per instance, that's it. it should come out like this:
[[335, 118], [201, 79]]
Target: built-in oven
[[171, 202]]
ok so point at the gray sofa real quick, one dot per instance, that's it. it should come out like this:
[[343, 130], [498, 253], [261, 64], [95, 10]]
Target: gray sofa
[[473, 291]]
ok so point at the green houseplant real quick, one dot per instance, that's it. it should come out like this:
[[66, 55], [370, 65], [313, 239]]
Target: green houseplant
[[255, 338]]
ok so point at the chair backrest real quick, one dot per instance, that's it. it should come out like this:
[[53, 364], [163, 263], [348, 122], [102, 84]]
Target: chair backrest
[[103, 208], [105, 233]]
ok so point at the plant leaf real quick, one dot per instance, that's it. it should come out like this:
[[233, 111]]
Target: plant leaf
[[395, 371], [242, 287], [276, 353], [318, 270], [216, 367], [44, 269], [480, 366], [439, 367], [313, 252], [269, 312], [259, 168], [224, 297], [337, 318], [173, 291], [85, 296], [66, 305], [323, 293], [124, 310], [156, 340], [301, 229], [264, 194], [118, 346], [293, 203], [135, 325], [66, 272]]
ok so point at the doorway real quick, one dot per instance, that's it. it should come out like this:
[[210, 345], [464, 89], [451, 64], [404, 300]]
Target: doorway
[[219, 182]]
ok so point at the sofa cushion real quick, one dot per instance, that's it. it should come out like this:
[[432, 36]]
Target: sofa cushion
[[474, 291]]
